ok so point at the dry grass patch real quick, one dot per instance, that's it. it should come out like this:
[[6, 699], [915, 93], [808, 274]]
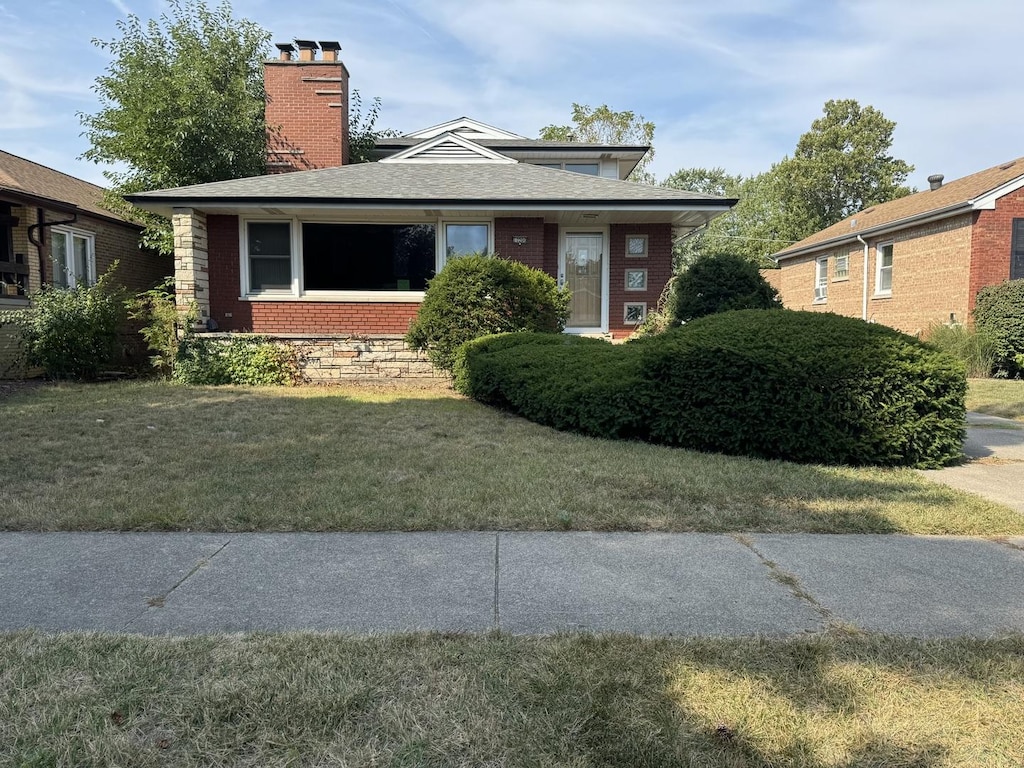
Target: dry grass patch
[[430, 700], [145, 456], [996, 397]]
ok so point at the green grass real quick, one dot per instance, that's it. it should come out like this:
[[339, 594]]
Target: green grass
[[431, 700], [996, 397], [146, 456]]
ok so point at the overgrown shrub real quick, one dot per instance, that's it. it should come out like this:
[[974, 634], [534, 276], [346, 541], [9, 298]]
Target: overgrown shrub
[[999, 312], [72, 333], [162, 325], [801, 386], [475, 296], [720, 283], [246, 360], [976, 349]]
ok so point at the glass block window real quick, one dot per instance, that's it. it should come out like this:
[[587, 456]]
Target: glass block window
[[636, 246], [634, 313], [636, 279]]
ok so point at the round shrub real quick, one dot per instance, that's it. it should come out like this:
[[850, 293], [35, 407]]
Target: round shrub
[[476, 296], [999, 312], [804, 386], [720, 283]]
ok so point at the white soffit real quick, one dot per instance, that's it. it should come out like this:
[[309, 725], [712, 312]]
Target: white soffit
[[448, 148], [464, 126]]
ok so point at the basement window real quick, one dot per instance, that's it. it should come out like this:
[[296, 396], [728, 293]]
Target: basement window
[[367, 257]]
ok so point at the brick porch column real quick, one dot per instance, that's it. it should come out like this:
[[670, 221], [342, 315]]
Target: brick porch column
[[191, 262]]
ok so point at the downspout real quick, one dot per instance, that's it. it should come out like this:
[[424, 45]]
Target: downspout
[[864, 303], [40, 244]]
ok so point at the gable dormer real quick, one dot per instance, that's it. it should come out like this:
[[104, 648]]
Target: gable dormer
[[448, 148]]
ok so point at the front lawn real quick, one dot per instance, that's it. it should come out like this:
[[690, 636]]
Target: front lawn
[[432, 700], [996, 397], [148, 456]]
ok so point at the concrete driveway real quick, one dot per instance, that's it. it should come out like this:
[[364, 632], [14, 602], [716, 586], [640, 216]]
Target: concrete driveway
[[996, 469]]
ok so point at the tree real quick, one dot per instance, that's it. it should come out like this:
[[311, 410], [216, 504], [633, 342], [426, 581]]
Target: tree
[[841, 166], [181, 103], [602, 125], [362, 128]]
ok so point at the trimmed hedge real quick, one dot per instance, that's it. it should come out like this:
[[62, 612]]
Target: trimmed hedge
[[801, 386], [999, 312], [721, 282]]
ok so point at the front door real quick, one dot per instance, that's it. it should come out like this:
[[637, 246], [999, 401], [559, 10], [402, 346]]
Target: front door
[[582, 271]]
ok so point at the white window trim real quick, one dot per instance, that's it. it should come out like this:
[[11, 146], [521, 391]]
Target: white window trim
[[647, 246], [605, 272], [441, 237], [878, 267], [625, 312], [821, 280], [90, 265], [626, 280], [243, 257]]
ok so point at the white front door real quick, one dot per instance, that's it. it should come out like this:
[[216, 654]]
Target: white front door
[[582, 269]]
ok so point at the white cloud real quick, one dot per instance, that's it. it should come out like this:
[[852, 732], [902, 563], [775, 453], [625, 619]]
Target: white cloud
[[122, 7]]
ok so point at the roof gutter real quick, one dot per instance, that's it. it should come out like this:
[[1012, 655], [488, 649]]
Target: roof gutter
[[377, 203], [921, 218], [864, 299]]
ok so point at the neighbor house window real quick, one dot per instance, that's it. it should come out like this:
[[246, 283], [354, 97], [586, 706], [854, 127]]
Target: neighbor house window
[[1017, 252], [842, 270], [821, 279], [13, 269], [883, 269], [73, 257], [465, 239], [367, 257], [269, 253]]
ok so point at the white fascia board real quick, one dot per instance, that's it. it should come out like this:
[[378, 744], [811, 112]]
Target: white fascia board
[[882, 229], [987, 202], [486, 131], [483, 154]]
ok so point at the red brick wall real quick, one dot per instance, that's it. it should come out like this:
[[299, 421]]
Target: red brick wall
[[658, 264], [532, 254], [303, 130], [551, 249], [991, 241]]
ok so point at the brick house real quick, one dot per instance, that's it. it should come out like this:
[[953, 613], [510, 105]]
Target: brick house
[[913, 262], [53, 231], [336, 256]]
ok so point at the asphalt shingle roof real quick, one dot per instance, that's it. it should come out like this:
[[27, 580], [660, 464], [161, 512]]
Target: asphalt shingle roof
[[18, 175], [952, 195], [412, 182]]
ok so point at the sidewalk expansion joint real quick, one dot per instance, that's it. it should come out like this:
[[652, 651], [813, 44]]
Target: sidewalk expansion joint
[[158, 601], [793, 584], [497, 566]]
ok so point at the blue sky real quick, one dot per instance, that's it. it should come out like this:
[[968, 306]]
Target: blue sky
[[731, 83]]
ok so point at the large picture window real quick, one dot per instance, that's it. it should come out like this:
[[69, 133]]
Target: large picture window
[[270, 256], [73, 257], [367, 257], [1017, 252]]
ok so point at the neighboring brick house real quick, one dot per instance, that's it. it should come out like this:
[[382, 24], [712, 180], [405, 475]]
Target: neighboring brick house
[[337, 256], [53, 231], [917, 261]]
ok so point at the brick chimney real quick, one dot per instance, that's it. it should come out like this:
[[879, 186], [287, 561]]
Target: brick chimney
[[307, 107]]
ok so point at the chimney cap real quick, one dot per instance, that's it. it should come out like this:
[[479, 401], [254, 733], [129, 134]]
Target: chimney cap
[[285, 47], [330, 45], [935, 180], [309, 45]]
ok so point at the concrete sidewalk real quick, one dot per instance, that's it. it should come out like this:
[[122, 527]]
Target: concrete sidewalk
[[996, 471], [531, 583]]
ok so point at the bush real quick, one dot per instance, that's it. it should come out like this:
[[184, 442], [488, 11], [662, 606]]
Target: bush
[[976, 349], [999, 312], [720, 283], [72, 333], [162, 327], [475, 296], [246, 360], [802, 386]]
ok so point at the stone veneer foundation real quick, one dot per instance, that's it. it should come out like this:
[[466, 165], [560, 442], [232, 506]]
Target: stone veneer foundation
[[330, 359]]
